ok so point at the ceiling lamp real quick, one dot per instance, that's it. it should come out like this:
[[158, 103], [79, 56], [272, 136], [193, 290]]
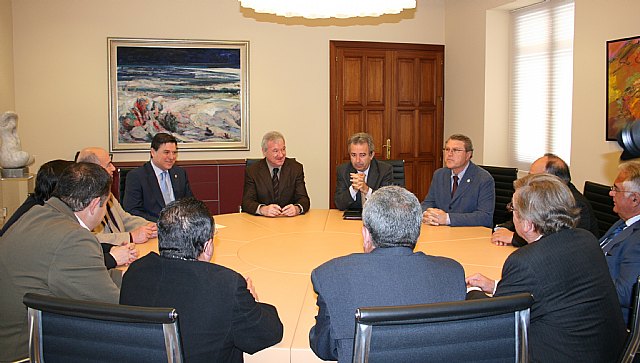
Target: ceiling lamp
[[320, 9]]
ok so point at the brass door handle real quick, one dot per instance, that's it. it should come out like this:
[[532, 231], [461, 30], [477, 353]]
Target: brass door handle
[[388, 147]]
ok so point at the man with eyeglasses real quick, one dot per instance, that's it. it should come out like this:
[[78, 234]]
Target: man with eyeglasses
[[462, 193], [504, 234], [621, 243]]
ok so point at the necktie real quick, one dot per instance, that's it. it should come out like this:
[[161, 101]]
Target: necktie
[[454, 187], [609, 237], [363, 196], [276, 185], [164, 186]]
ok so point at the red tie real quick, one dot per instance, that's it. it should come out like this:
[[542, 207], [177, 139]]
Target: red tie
[[454, 187]]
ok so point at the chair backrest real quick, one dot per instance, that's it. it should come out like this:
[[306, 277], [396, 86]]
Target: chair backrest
[[602, 204], [85, 331], [633, 340], [250, 162], [494, 329], [398, 170], [504, 178]]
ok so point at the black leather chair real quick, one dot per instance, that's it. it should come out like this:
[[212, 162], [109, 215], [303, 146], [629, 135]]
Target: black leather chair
[[67, 330], [504, 178], [602, 204], [633, 341], [488, 330], [250, 162], [398, 171]]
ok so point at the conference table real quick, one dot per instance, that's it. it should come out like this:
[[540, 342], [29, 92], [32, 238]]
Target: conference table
[[280, 253]]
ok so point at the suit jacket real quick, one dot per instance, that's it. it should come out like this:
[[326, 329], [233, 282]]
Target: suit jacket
[[623, 258], [587, 220], [380, 175], [142, 194], [47, 252], [258, 188], [24, 207], [385, 276], [218, 317], [575, 315], [116, 231], [474, 201]]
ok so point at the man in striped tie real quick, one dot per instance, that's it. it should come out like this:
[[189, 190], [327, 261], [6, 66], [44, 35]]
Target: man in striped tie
[[621, 243], [118, 228]]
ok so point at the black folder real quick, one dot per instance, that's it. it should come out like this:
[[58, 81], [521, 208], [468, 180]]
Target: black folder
[[355, 214]]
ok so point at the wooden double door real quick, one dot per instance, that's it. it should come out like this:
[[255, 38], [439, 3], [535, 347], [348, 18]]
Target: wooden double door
[[394, 92]]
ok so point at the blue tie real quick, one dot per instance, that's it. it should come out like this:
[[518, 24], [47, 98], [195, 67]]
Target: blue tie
[[164, 186], [610, 236]]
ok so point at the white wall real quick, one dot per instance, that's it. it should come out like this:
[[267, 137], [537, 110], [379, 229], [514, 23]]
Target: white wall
[[61, 81], [6, 57]]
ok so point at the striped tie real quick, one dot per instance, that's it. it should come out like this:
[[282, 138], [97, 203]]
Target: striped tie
[[276, 185]]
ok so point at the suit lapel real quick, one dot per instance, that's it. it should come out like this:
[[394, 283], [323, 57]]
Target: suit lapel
[[622, 235], [464, 183], [152, 181], [373, 173]]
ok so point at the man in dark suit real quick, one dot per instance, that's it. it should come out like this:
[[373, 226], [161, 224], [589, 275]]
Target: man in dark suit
[[462, 193], [621, 243], [50, 250], [220, 317], [575, 315], [388, 273], [360, 177], [504, 234], [274, 186], [158, 182]]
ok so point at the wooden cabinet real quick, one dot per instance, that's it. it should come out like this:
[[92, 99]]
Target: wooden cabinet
[[218, 183]]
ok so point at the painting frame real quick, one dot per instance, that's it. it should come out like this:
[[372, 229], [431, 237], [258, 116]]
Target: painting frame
[[623, 84], [196, 90]]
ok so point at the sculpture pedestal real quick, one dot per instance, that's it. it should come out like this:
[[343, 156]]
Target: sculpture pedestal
[[13, 192], [15, 173]]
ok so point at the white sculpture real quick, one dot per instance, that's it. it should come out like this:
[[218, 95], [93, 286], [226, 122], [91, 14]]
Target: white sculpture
[[11, 154]]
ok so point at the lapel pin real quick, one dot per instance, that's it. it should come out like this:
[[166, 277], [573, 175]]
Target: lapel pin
[[468, 180]]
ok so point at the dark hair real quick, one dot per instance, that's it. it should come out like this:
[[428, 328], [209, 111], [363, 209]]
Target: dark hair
[[184, 226], [161, 139], [361, 138], [47, 178], [558, 167], [80, 183]]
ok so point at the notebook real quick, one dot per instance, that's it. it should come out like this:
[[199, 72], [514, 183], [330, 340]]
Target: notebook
[[352, 214]]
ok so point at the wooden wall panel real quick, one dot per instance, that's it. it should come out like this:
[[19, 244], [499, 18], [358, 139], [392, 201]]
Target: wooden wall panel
[[353, 84], [375, 81], [427, 96]]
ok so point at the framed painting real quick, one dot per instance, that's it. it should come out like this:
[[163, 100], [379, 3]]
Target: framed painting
[[623, 83], [196, 90]]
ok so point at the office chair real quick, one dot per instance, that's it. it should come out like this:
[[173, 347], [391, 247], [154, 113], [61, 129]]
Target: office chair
[[602, 204], [398, 170], [633, 340], [493, 329], [250, 162], [504, 178], [67, 330]]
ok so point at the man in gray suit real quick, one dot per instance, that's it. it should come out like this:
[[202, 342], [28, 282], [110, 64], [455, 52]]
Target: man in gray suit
[[50, 250], [359, 178], [389, 272], [462, 193], [621, 243]]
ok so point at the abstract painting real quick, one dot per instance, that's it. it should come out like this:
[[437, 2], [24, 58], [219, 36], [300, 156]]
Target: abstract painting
[[623, 88], [196, 90]]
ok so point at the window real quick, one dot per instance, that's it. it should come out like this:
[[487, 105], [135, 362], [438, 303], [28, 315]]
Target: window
[[541, 81]]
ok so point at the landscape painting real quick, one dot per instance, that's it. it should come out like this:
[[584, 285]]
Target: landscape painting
[[623, 88], [195, 90]]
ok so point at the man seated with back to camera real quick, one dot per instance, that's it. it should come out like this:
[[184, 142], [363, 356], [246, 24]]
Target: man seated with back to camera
[[389, 272], [357, 180], [575, 316], [504, 234], [219, 313], [461, 193]]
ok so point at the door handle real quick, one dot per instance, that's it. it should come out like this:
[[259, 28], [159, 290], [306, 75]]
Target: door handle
[[387, 146]]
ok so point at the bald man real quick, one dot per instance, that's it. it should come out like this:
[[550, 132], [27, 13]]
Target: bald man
[[117, 227], [505, 234]]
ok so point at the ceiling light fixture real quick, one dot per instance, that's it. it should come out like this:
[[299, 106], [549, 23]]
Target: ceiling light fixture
[[322, 9]]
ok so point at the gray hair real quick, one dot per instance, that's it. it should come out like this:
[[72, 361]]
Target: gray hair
[[468, 145], [271, 136], [393, 216], [361, 138], [546, 201], [88, 156], [184, 227], [631, 171]]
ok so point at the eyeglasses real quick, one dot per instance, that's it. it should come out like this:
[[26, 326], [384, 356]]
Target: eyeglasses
[[615, 189], [455, 151], [510, 207]]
